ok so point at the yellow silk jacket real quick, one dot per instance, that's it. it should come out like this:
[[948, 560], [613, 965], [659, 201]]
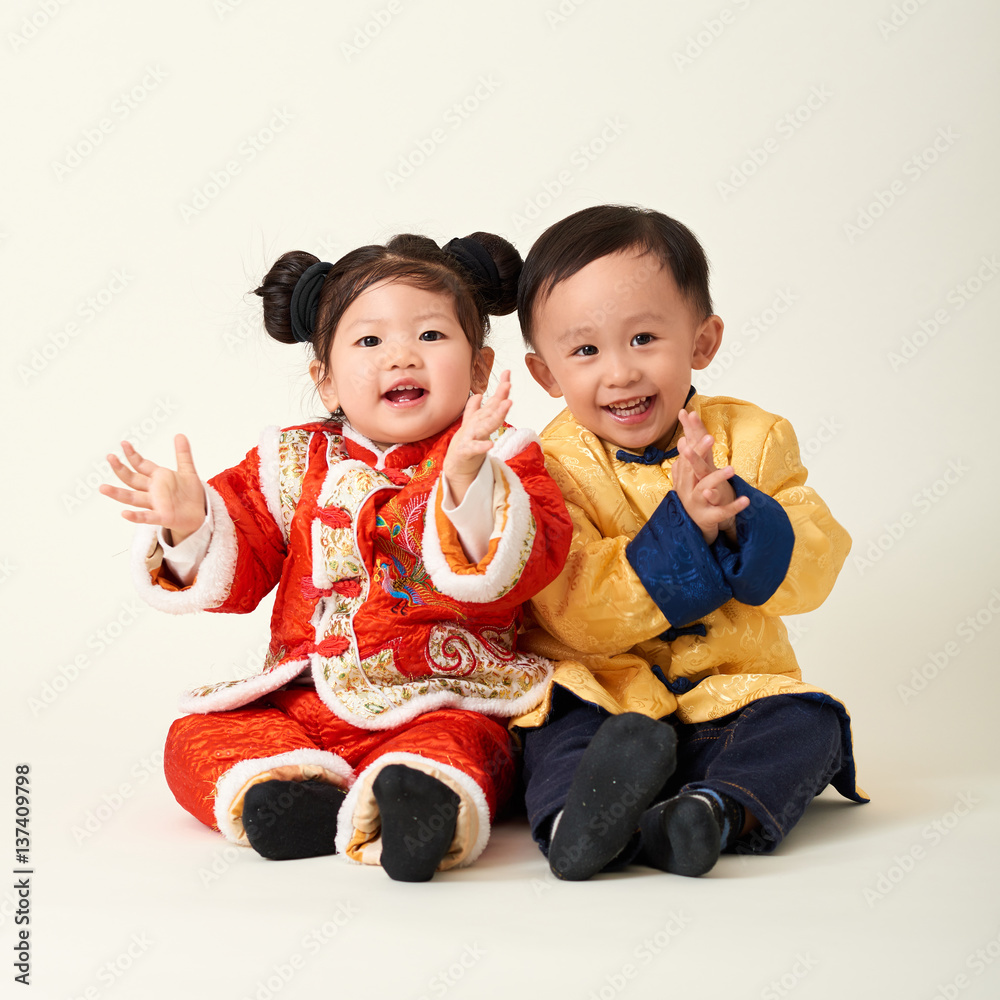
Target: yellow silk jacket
[[607, 624]]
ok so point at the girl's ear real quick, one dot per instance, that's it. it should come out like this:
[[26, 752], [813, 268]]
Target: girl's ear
[[481, 369], [542, 374], [324, 385], [706, 342]]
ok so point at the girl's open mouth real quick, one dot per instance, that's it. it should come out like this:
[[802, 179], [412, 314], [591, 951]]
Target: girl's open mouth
[[404, 394]]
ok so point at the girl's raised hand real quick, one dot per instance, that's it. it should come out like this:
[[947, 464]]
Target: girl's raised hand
[[467, 449], [175, 500]]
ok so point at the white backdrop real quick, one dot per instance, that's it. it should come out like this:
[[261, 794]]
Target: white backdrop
[[837, 161]]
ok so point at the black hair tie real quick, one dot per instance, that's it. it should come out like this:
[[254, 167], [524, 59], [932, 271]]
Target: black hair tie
[[305, 300], [472, 255]]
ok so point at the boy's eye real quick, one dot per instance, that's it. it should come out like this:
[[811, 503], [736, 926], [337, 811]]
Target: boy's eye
[[431, 335], [586, 351], [641, 339], [369, 341]]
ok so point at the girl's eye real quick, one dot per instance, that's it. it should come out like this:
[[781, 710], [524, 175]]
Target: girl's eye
[[369, 342], [431, 335], [640, 339], [586, 351]]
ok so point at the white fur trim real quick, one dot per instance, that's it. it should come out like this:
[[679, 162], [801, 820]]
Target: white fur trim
[[501, 574], [242, 692], [269, 472], [358, 438], [493, 707], [513, 442], [215, 574], [345, 818], [232, 781]]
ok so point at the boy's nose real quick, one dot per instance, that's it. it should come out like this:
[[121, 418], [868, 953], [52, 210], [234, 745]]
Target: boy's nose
[[622, 372]]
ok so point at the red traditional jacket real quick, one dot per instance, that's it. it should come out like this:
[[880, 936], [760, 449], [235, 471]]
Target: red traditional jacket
[[376, 598]]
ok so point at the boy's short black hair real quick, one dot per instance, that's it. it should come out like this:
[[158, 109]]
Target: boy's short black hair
[[570, 245]]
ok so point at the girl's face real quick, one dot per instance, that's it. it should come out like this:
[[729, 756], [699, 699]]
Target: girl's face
[[400, 365]]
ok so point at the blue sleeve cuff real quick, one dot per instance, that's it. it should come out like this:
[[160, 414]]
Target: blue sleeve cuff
[[756, 565], [678, 570]]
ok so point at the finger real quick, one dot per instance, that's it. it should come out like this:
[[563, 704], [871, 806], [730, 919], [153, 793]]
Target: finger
[[140, 464], [182, 451], [128, 476], [125, 496], [699, 465]]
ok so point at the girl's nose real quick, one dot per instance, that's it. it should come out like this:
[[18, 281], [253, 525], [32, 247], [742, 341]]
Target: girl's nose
[[398, 355]]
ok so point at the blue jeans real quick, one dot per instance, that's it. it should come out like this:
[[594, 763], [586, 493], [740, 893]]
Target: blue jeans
[[773, 757]]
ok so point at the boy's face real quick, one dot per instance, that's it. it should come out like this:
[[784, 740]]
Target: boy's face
[[619, 341]]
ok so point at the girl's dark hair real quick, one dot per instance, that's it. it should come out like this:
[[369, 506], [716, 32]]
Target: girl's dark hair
[[412, 260], [570, 245]]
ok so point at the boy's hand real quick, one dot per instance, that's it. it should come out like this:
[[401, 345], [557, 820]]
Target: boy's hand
[[468, 447], [173, 500], [703, 489]]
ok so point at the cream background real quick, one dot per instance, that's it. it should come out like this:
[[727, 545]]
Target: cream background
[[179, 348]]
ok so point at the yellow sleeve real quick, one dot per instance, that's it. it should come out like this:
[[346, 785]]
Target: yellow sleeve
[[597, 604], [821, 544]]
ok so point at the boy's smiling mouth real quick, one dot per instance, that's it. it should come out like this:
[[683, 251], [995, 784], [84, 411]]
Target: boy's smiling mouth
[[628, 409]]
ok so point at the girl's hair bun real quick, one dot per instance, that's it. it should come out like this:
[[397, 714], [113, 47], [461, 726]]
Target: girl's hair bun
[[492, 266], [276, 290]]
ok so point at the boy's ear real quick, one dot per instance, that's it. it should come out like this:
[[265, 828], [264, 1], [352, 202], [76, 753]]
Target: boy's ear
[[481, 369], [542, 374], [707, 341], [324, 386]]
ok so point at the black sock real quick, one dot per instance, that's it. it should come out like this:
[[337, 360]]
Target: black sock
[[292, 819], [418, 815], [686, 834], [626, 764]]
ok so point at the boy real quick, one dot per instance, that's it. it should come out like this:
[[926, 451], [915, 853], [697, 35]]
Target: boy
[[693, 533]]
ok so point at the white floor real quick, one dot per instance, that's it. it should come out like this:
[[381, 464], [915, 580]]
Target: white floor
[[894, 899]]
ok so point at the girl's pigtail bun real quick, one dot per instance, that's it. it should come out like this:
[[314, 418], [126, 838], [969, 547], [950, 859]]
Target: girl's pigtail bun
[[492, 266], [276, 291]]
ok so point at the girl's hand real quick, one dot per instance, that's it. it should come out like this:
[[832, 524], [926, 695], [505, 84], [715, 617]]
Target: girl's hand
[[173, 500], [704, 490], [468, 447]]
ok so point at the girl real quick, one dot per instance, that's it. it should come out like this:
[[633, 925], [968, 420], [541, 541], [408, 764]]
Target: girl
[[402, 533]]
